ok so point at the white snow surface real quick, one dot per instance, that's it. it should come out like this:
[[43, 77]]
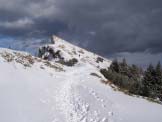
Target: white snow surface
[[40, 93]]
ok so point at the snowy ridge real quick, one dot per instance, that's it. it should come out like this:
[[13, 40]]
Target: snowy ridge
[[69, 51], [36, 90]]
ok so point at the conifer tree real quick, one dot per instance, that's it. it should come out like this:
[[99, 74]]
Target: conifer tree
[[134, 72], [158, 78], [115, 66], [124, 67], [158, 73], [149, 81]]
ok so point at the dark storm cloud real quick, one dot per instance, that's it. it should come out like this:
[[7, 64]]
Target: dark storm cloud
[[104, 26]]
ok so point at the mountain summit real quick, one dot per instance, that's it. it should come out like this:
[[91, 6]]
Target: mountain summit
[[65, 85], [62, 51]]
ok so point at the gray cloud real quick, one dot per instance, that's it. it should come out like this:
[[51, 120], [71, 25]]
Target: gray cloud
[[143, 59], [103, 26], [120, 26]]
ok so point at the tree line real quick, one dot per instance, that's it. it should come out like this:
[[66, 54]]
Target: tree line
[[134, 80]]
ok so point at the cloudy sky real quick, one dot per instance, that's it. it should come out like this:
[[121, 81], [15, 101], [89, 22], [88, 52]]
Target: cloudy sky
[[112, 28]]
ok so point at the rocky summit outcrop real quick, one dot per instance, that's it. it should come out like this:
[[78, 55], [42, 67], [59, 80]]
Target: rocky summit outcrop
[[68, 54]]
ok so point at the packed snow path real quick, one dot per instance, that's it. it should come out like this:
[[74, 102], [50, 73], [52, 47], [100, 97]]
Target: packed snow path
[[82, 98], [73, 98]]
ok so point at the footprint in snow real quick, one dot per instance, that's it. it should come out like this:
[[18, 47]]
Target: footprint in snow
[[104, 106], [104, 120], [110, 113]]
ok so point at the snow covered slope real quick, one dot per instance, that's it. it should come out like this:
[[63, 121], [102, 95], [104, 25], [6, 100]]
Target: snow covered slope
[[35, 90], [67, 51]]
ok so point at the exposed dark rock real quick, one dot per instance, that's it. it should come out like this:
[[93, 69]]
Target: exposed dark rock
[[99, 59]]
